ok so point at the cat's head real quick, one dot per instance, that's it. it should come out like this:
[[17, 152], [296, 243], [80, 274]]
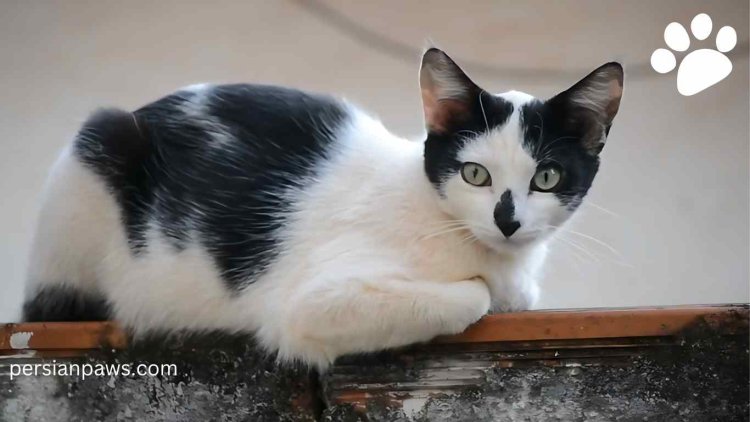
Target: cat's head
[[510, 167]]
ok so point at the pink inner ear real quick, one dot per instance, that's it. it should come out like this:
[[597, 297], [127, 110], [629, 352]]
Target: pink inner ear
[[429, 104], [441, 115], [446, 92], [615, 93]]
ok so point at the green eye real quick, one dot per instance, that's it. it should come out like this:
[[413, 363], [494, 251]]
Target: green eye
[[546, 179], [476, 174]]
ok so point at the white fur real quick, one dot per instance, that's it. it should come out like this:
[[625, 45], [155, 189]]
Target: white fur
[[371, 258]]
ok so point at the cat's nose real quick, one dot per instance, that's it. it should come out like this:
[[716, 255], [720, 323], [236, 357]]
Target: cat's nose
[[508, 227], [504, 212]]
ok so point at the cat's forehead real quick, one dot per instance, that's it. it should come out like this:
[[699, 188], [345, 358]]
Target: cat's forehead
[[504, 144], [517, 98]]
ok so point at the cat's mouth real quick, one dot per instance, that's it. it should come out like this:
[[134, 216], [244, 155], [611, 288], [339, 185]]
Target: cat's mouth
[[524, 237], [500, 243], [520, 240]]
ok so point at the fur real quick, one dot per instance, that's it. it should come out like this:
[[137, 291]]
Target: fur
[[301, 219]]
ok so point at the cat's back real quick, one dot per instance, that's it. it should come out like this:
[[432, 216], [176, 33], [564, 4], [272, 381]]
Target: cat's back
[[265, 120], [212, 168], [220, 165], [267, 133], [253, 122]]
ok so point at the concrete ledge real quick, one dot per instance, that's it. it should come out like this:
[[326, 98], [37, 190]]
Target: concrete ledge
[[672, 363]]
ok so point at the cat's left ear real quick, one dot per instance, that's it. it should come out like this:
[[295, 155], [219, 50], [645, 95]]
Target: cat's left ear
[[448, 95], [590, 106]]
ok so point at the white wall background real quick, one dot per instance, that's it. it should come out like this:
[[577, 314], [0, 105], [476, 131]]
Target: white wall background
[[671, 198]]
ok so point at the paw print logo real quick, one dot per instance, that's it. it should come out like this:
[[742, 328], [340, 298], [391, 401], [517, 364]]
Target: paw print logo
[[699, 69]]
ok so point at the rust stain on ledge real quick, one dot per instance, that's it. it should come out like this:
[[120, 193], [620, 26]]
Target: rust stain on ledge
[[61, 336], [601, 323]]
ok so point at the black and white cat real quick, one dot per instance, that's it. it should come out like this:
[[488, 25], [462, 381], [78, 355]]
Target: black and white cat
[[301, 219]]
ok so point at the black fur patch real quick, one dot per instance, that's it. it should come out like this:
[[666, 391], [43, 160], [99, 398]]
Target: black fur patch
[[549, 139], [441, 149], [213, 167], [111, 143], [63, 303]]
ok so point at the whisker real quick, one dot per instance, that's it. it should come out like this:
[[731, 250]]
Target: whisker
[[595, 240], [469, 239], [541, 134], [579, 247], [548, 147], [481, 105], [589, 237], [602, 209], [442, 232], [620, 261]]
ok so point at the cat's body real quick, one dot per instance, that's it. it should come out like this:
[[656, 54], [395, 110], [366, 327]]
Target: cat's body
[[292, 216]]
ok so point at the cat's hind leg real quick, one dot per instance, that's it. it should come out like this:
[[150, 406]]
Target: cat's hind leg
[[80, 223], [77, 226], [327, 320], [63, 302], [76, 220]]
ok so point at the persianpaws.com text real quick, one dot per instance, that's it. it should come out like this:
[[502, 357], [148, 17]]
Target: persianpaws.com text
[[86, 370]]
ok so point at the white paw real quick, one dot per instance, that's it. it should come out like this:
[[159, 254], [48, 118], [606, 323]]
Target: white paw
[[701, 68], [474, 307]]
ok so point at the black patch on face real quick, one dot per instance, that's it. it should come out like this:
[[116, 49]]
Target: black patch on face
[[441, 149], [64, 303], [550, 139], [229, 197]]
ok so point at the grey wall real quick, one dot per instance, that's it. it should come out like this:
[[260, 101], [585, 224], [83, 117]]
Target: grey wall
[[671, 199]]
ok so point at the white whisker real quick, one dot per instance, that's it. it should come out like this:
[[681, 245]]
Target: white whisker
[[481, 104], [589, 237], [442, 232], [602, 209], [579, 247]]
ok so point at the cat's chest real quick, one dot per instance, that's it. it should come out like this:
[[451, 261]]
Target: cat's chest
[[445, 258], [456, 257]]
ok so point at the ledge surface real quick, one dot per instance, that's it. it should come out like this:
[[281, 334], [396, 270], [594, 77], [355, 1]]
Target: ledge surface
[[667, 363], [576, 324]]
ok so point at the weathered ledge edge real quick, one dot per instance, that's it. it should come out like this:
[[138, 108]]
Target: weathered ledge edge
[[519, 326], [671, 363]]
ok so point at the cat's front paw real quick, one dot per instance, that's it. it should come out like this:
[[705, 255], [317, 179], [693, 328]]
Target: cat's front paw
[[509, 306], [474, 304]]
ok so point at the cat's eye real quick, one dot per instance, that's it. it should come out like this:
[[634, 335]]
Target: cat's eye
[[476, 174], [546, 179]]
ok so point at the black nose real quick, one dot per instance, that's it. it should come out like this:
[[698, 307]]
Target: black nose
[[508, 227], [504, 213]]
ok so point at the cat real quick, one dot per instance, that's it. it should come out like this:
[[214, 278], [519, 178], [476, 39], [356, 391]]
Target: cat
[[300, 219]]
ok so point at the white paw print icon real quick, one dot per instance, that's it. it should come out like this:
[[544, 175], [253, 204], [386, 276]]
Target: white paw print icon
[[702, 68]]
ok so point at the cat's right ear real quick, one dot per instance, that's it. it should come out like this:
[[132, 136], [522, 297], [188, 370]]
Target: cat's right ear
[[448, 95], [590, 106]]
